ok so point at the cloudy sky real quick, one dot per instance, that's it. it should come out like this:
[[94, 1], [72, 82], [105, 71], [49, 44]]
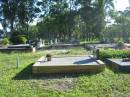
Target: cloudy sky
[[120, 5]]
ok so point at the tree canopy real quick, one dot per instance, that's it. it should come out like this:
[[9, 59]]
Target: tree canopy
[[62, 19]]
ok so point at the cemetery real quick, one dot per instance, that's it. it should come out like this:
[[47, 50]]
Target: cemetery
[[72, 70], [64, 48]]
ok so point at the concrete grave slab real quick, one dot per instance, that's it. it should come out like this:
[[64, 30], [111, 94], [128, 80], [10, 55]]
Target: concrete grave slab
[[118, 64], [67, 65]]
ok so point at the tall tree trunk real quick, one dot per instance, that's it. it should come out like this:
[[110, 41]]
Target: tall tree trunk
[[11, 26]]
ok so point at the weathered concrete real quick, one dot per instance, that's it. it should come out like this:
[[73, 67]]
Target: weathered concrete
[[118, 64], [21, 48], [67, 65]]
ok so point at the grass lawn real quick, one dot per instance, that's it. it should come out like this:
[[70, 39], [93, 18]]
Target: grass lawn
[[21, 83]]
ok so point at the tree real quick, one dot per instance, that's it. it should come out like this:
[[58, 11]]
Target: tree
[[93, 13], [59, 20], [62, 19], [17, 14], [120, 28], [9, 8]]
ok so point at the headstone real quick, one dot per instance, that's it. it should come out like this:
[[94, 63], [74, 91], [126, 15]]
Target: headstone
[[51, 42], [43, 42], [56, 41], [40, 44]]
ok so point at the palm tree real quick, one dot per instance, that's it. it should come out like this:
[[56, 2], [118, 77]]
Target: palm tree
[[104, 6], [103, 9]]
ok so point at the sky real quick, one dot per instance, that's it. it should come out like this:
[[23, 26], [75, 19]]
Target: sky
[[120, 5]]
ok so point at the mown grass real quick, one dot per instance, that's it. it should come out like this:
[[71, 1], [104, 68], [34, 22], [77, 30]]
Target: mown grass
[[19, 82]]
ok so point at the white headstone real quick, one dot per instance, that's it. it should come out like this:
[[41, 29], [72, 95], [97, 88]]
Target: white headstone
[[40, 43], [51, 42], [43, 42], [56, 41]]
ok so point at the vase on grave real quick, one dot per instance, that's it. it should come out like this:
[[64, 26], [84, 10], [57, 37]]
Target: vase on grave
[[48, 57]]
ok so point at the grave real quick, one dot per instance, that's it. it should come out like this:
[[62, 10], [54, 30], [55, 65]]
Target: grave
[[119, 64], [41, 44], [20, 47], [67, 65], [98, 46]]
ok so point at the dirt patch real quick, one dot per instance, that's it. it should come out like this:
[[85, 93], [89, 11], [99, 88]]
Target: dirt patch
[[63, 84]]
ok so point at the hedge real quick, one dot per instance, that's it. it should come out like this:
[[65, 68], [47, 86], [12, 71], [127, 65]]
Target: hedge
[[103, 54]]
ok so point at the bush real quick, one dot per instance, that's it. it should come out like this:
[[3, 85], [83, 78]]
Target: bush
[[21, 39], [120, 43], [129, 39], [103, 54], [117, 40], [5, 41]]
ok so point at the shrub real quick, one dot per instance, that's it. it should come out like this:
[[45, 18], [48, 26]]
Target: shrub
[[17, 38], [129, 39], [5, 41], [21, 39], [103, 54], [120, 43], [117, 40]]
